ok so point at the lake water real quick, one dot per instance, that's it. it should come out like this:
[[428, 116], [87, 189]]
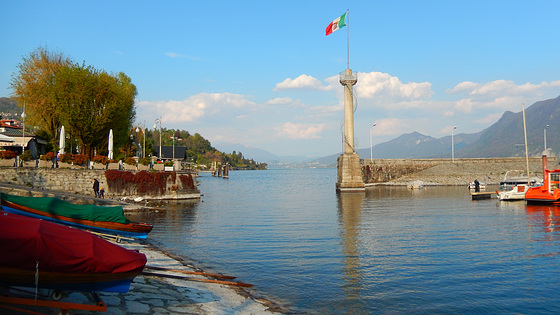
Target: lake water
[[388, 250]]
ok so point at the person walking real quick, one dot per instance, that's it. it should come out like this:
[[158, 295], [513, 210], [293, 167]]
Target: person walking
[[96, 187]]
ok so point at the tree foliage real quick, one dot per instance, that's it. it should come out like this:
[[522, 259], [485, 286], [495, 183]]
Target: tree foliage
[[33, 87], [88, 102]]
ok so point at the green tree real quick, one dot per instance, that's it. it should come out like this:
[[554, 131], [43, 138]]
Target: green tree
[[91, 102], [33, 87]]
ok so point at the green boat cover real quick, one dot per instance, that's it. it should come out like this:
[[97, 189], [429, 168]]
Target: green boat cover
[[63, 208]]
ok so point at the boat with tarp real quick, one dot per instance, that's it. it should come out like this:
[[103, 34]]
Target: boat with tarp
[[102, 219], [44, 255]]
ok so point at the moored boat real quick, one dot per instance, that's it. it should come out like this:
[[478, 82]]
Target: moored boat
[[549, 192], [40, 254], [102, 219], [517, 193], [513, 178]]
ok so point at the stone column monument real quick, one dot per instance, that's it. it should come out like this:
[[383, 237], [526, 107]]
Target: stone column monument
[[348, 164]]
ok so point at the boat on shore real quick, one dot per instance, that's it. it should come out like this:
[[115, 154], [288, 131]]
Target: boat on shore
[[549, 192], [101, 219], [45, 255]]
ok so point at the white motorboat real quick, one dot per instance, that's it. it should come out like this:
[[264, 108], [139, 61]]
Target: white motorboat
[[515, 194]]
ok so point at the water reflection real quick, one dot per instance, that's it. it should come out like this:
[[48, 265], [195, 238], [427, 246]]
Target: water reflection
[[171, 216], [349, 210], [548, 216]]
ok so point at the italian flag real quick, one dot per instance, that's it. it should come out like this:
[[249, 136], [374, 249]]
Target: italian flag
[[336, 24]]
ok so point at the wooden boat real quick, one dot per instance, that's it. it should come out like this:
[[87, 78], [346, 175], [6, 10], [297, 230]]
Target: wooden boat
[[40, 254], [549, 192], [101, 219], [481, 195]]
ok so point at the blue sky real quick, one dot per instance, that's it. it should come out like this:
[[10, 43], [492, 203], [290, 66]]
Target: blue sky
[[263, 73]]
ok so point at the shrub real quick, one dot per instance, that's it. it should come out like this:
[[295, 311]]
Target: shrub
[[144, 182], [80, 159], [48, 157], [7, 154], [145, 161], [100, 159], [66, 157], [26, 155], [130, 161]]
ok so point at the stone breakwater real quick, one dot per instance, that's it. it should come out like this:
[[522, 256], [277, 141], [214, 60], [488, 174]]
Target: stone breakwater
[[445, 172]]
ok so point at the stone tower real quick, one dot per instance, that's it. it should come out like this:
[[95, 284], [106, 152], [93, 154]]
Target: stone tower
[[348, 164]]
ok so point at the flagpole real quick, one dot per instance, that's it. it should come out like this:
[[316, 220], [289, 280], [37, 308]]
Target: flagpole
[[348, 39]]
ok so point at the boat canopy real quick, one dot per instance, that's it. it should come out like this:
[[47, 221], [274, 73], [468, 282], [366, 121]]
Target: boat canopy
[[26, 242], [60, 207]]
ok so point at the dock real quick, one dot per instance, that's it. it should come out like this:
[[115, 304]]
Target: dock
[[481, 195]]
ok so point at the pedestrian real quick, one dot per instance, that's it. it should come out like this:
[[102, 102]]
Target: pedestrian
[[96, 187], [102, 193], [476, 185]]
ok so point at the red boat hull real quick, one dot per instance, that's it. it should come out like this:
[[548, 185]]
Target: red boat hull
[[37, 253]]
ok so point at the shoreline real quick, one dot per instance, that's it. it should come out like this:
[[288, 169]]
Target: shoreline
[[158, 294]]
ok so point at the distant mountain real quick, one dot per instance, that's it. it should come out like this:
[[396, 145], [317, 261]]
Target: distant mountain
[[258, 155], [505, 138]]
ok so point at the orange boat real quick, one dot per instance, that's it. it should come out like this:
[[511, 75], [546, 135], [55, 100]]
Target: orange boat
[[549, 192]]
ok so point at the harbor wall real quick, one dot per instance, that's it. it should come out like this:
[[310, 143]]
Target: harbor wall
[[447, 172], [80, 181]]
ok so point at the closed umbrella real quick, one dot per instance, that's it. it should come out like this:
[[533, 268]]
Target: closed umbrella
[[61, 141], [110, 146]]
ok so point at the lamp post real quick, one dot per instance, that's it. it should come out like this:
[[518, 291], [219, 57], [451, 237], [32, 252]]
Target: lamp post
[[453, 145], [370, 142], [173, 148], [545, 138], [137, 142], [23, 130], [158, 121]]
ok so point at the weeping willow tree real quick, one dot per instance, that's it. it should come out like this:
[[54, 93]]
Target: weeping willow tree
[[88, 102]]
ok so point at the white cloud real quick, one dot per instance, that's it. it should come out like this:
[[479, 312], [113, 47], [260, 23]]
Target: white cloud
[[195, 107], [280, 101], [304, 81], [378, 84], [499, 88], [175, 55], [301, 131], [489, 119], [391, 126]]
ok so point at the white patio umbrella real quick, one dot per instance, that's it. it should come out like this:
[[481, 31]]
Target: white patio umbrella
[[110, 145], [61, 141]]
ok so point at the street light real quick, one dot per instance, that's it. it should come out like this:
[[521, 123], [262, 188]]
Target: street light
[[158, 121], [545, 138], [453, 145], [137, 142], [370, 142], [23, 130]]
